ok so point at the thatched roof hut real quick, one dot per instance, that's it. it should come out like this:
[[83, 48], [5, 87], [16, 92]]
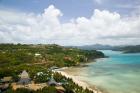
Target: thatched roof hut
[[52, 82], [24, 78]]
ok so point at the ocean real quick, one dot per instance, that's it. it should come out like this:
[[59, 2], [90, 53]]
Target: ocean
[[120, 73]]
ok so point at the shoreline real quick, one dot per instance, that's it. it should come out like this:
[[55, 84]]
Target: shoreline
[[78, 81]]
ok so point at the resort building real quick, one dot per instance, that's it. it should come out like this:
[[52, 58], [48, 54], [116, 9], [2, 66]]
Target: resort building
[[52, 82], [58, 86], [4, 83], [24, 78], [53, 68], [6, 79], [37, 54]]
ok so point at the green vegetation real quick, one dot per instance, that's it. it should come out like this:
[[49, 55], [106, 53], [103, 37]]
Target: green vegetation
[[15, 58], [69, 85]]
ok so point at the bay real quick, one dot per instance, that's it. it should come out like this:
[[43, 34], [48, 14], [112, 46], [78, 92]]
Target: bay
[[120, 73]]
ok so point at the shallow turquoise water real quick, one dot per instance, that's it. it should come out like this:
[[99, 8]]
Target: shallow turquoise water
[[120, 73]]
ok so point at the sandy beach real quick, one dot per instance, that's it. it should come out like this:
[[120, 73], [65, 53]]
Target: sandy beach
[[78, 81]]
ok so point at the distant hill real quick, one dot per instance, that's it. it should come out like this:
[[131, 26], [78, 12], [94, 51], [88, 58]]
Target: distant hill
[[128, 49], [125, 49], [95, 47]]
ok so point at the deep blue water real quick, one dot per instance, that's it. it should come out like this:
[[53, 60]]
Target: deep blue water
[[120, 73]]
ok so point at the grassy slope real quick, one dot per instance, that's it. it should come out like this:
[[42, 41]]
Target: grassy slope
[[15, 58]]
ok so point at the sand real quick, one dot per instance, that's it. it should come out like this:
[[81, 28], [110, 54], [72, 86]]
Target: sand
[[79, 81]]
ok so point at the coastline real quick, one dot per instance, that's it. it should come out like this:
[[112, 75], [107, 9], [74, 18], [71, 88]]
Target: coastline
[[77, 80]]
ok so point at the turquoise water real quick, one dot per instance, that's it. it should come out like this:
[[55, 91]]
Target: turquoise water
[[120, 73]]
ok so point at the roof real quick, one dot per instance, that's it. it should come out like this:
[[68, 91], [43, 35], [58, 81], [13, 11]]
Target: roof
[[54, 67], [24, 74], [52, 82], [6, 79], [37, 54], [24, 81]]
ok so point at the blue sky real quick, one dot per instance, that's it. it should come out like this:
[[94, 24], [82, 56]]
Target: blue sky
[[70, 22], [72, 8]]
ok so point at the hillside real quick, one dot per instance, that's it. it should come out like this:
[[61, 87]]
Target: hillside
[[128, 49], [19, 57]]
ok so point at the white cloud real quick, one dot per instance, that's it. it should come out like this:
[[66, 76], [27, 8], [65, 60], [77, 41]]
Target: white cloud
[[102, 27]]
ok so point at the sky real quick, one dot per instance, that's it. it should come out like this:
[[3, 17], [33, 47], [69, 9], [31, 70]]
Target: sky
[[70, 22]]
